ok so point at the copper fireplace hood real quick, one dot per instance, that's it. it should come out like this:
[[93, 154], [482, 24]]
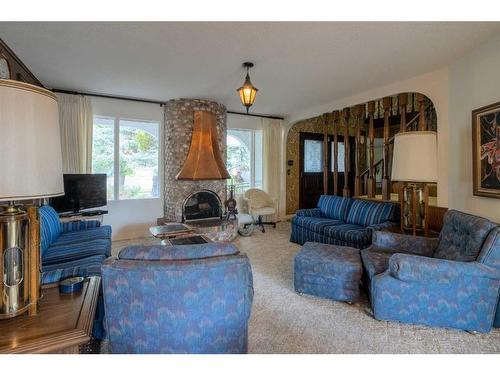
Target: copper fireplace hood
[[204, 160]]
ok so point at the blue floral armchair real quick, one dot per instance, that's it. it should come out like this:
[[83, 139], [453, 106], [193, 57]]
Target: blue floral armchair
[[178, 299], [452, 281]]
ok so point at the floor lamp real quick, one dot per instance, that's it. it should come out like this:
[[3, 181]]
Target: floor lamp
[[31, 169], [414, 164]]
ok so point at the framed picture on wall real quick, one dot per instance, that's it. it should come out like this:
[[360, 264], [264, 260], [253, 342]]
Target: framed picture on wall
[[486, 151]]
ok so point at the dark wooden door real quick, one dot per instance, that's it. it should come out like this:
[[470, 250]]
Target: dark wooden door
[[311, 168]]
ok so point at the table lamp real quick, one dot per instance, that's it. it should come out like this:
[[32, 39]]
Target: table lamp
[[31, 168], [414, 163]]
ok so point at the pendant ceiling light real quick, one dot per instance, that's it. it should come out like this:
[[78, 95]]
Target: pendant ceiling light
[[247, 91]]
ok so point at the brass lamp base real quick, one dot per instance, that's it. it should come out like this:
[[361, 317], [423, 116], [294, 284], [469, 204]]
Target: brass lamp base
[[19, 265], [414, 200]]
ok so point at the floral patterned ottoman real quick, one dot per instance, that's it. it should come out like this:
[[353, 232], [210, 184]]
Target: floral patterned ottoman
[[328, 271]]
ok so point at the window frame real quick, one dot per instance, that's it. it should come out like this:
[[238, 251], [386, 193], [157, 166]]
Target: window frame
[[252, 154], [116, 154]]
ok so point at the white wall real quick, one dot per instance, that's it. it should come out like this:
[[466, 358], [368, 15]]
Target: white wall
[[474, 83], [434, 85], [243, 122], [132, 218]]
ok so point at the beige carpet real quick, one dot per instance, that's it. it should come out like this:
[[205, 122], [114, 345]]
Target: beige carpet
[[284, 322]]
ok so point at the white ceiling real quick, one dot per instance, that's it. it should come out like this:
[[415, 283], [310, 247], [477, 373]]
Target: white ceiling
[[297, 65]]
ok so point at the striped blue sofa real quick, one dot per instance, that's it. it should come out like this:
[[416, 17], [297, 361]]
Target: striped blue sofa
[[343, 221], [76, 248]]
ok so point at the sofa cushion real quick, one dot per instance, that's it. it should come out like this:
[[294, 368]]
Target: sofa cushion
[[50, 227], [490, 252], [180, 252], [102, 233], [62, 252], [375, 261], [350, 233], [462, 236], [334, 207], [316, 224], [365, 213]]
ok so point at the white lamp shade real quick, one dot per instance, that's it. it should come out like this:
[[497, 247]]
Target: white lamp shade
[[30, 146], [415, 157]]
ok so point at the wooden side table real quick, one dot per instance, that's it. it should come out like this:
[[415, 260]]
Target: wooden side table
[[63, 323]]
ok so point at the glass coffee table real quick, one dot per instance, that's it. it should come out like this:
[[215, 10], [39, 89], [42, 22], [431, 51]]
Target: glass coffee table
[[209, 230]]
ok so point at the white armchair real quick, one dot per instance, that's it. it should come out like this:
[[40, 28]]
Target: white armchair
[[260, 204]]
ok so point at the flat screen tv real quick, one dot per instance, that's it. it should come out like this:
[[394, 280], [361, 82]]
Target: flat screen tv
[[81, 191]]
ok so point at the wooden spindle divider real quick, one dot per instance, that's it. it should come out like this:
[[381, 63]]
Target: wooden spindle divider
[[403, 103], [359, 113], [336, 122], [371, 144], [386, 183], [422, 121], [346, 192], [326, 121]]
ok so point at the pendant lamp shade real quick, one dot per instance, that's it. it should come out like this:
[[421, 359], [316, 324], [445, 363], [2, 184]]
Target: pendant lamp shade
[[30, 151], [248, 91]]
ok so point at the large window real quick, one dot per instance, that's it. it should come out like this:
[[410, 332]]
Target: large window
[[127, 151], [244, 158]]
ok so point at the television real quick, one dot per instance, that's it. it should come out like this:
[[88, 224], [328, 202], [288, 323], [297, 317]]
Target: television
[[81, 191]]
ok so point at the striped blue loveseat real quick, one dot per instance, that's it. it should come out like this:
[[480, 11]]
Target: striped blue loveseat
[[76, 248], [343, 221]]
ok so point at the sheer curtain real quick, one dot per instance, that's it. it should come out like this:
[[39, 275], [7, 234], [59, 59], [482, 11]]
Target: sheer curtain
[[272, 134], [76, 122]]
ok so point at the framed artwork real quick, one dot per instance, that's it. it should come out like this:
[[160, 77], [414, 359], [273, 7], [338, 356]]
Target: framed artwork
[[486, 151]]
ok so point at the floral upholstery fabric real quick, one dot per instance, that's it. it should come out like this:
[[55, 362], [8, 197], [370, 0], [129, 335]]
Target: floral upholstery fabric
[[334, 207], [374, 262], [180, 252], [328, 271], [462, 236], [490, 255], [178, 306], [404, 244], [423, 286], [465, 302]]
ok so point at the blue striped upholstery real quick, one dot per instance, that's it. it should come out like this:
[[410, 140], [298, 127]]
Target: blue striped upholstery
[[90, 266], [62, 252], [80, 225], [323, 224], [316, 224], [102, 232], [50, 227], [350, 233], [76, 248], [365, 213], [334, 207], [311, 212]]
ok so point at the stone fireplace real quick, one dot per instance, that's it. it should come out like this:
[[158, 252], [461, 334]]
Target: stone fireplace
[[179, 119]]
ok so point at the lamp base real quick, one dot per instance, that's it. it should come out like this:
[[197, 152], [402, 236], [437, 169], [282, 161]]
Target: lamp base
[[14, 268], [414, 207]]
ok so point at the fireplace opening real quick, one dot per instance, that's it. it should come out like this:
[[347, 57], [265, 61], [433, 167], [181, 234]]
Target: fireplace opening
[[202, 205]]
